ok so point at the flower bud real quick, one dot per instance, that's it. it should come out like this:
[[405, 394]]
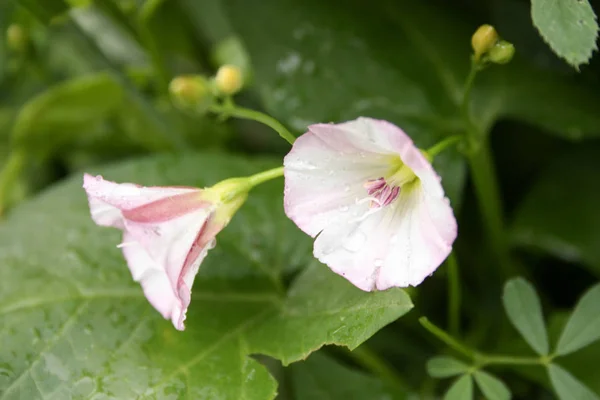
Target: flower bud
[[502, 52], [190, 90], [483, 40], [16, 38], [228, 80]]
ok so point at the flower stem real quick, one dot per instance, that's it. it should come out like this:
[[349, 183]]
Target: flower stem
[[229, 109], [484, 178], [481, 359], [378, 366], [264, 176], [454, 295], [441, 146]]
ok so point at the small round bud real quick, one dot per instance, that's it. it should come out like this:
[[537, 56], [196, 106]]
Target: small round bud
[[502, 52], [190, 90], [16, 38], [229, 80], [483, 40]]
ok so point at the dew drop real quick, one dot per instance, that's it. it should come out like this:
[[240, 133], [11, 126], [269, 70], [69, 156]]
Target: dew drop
[[355, 242], [378, 262]]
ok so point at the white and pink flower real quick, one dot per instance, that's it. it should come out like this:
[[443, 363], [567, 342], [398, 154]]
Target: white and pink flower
[[167, 232], [372, 201]]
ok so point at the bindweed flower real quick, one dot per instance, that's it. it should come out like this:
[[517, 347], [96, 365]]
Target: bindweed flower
[[372, 200], [167, 232]]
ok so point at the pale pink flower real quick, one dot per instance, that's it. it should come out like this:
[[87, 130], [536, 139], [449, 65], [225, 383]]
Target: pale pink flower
[[167, 232], [372, 200]]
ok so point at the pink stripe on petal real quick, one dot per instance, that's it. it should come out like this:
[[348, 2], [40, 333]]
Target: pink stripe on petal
[[168, 208]]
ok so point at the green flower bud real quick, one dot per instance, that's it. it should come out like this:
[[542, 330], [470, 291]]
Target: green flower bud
[[190, 91], [229, 80], [502, 52], [16, 38], [483, 40]]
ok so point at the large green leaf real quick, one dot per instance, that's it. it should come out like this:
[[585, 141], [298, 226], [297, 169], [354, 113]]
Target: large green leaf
[[583, 326], [560, 213], [75, 325], [522, 305], [567, 387], [321, 377], [320, 61], [568, 26]]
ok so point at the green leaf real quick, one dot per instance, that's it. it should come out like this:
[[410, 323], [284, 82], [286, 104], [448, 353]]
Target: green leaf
[[461, 389], [583, 327], [567, 387], [581, 363], [559, 215], [444, 367], [65, 111], [568, 26], [321, 377], [522, 305], [74, 324], [492, 387]]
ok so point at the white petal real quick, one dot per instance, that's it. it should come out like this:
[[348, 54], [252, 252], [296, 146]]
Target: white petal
[[168, 243], [399, 245], [324, 176]]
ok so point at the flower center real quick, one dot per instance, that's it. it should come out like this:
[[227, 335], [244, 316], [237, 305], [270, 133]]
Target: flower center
[[380, 192], [384, 190]]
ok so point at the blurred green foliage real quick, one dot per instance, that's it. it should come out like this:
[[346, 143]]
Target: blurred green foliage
[[85, 83]]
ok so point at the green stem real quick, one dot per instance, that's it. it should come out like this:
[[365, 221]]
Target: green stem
[[484, 178], [245, 113], [378, 366], [488, 200], [481, 359], [454, 295], [468, 88], [487, 359], [449, 340], [9, 175], [264, 176], [439, 147]]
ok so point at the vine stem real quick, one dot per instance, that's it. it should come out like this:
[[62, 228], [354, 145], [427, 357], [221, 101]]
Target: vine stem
[[229, 109], [481, 359], [454, 295], [484, 179]]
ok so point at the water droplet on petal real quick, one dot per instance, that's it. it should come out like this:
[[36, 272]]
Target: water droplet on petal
[[378, 263], [211, 244], [355, 242]]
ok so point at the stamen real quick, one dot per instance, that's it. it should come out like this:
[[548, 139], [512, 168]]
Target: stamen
[[380, 192]]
